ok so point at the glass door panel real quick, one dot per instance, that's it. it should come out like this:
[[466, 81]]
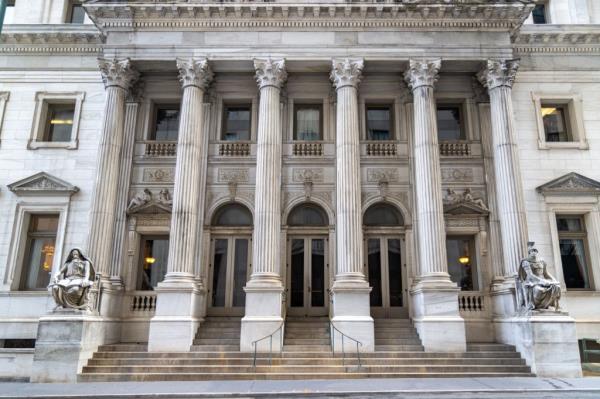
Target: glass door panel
[[374, 264], [384, 271], [317, 273], [297, 273], [240, 271], [394, 272], [219, 280]]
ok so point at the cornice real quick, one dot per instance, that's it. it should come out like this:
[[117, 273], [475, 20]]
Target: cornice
[[50, 39], [403, 14], [552, 39]]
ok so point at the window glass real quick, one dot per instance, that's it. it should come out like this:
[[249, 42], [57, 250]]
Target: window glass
[[394, 272], [166, 123], [307, 215], [374, 264], [297, 273], [9, 14], [317, 272], [539, 14], [236, 123], [461, 262], [555, 123], [41, 240], [153, 262], [573, 251], [307, 122], [59, 122], [240, 270], [379, 123], [449, 122], [382, 215], [77, 14], [219, 273], [232, 215]]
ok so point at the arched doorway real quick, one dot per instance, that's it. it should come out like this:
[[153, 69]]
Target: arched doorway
[[307, 261], [229, 267], [384, 264]]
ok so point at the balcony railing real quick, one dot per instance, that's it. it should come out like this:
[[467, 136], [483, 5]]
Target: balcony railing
[[455, 149], [234, 149], [308, 149], [471, 303], [381, 149], [160, 148], [142, 302]]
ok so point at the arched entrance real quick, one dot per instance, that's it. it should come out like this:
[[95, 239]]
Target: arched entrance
[[307, 266], [229, 267], [384, 260]]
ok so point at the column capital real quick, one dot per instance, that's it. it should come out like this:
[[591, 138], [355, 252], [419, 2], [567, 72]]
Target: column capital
[[422, 73], [194, 72], [270, 72], [119, 73], [346, 72], [498, 73]]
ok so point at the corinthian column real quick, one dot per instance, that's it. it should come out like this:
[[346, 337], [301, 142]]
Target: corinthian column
[[264, 290], [179, 296], [434, 296], [351, 309]]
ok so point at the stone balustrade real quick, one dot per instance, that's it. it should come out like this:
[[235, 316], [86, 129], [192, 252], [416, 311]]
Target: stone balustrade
[[308, 149], [381, 149], [470, 303], [455, 149], [235, 149], [160, 148], [142, 302]]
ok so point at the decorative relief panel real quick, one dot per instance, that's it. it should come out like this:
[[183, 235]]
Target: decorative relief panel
[[457, 175], [307, 174], [462, 222], [158, 175], [154, 220], [233, 175], [389, 175]]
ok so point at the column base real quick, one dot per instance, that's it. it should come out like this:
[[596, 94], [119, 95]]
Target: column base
[[111, 301], [546, 339], [351, 314], [179, 307], [264, 310], [503, 297], [436, 315], [66, 339]]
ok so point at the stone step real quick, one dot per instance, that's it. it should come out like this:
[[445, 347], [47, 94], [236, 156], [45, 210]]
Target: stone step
[[397, 341], [215, 348], [306, 348], [217, 341], [224, 334], [490, 347], [399, 348], [306, 341]]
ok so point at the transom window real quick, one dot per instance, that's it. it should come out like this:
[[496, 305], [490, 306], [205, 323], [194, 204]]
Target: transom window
[[165, 122], [539, 13], [39, 252], [572, 238], [379, 122], [232, 215], [59, 122], [556, 122], [307, 215], [308, 123], [236, 122], [382, 215], [154, 257], [462, 264], [450, 123]]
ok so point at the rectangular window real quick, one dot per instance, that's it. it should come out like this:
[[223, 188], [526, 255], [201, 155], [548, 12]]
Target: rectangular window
[[450, 123], [39, 252], [308, 122], [59, 123], [556, 122], [236, 122], [462, 262], [9, 14], [379, 122], [165, 122], [154, 256], [572, 238], [539, 14], [75, 13]]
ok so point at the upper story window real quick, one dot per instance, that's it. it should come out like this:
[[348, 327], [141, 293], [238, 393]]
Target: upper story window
[[165, 122], [450, 122], [379, 122], [153, 261], [39, 251], [236, 122], [9, 14], [308, 122], [572, 237], [462, 265], [540, 13], [75, 13], [59, 122], [556, 126]]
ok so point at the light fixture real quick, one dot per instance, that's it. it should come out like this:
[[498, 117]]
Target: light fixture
[[463, 260], [48, 251], [548, 111], [150, 260], [61, 121]]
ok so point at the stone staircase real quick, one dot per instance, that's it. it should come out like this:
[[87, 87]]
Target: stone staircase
[[306, 354]]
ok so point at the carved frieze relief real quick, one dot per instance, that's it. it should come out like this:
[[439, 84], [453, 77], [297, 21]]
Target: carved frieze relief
[[232, 175], [377, 175], [301, 175], [158, 175], [458, 175]]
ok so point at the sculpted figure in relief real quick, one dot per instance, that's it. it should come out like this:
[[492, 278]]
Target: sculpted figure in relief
[[140, 199], [164, 197], [72, 283], [536, 288]]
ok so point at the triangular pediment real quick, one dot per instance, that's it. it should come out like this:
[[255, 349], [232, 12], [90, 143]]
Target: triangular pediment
[[151, 207], [464, 208], [571, 184], [42, 183]]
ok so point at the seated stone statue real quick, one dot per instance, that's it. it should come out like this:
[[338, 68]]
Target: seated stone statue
[[537, 289], [72, 283]]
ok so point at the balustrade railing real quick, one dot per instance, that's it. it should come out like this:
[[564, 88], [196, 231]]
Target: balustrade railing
[[379, 149], [471, 302], [308, 149], [455, 149], [235, 149], [160, 148], [142, 302]]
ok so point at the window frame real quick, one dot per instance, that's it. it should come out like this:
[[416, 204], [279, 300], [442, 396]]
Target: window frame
[[577, 235], [574, 122], [40, 119], [235, 104], [155, 105], [142, 239], [69, 12], [380, 105], [299, 105], [463, 118], [547, 19], [473, 250], [29, 237]]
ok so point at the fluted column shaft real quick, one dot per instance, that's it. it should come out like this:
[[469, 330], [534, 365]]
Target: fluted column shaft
[[498, 77], [346, 75], [118, 77], [195, 75], [429, 210], [270, 76]]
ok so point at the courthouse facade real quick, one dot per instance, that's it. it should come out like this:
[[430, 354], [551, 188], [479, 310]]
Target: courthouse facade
[[265, 161]]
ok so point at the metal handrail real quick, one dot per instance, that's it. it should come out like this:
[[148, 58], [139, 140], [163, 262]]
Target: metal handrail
[[333, 329], [270, 336]]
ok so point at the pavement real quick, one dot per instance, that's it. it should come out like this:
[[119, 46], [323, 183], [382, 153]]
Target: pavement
[[421, 388]]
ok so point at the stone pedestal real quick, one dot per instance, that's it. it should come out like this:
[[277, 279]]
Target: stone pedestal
[[264, 310], [66, 339], [352, 315], [546, 339]]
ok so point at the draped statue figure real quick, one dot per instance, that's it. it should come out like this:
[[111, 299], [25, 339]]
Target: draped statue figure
[[71, 285], [536, 288]]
